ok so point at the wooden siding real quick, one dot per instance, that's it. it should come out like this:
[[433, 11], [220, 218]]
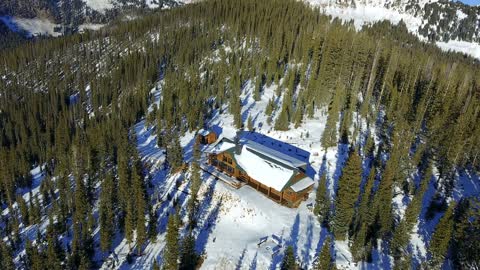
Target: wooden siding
[[225, 163], [209, 139]]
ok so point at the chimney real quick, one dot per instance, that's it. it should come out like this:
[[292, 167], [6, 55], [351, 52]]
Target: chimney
[[238, 146]]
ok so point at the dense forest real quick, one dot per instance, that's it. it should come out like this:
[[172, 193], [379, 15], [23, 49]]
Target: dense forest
[[68, 105]]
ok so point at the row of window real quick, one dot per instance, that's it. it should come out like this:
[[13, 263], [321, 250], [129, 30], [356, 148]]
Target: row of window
[[227, 160]]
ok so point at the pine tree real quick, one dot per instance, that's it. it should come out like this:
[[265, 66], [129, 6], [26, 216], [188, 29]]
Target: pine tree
[[258, 87], [361, 246], [22, 205], [155, 265], [130, 220], [322, 201], [152, 225], [466, 240], [325, 261], [85, 263], [107, 213], [53, 261], [440, 242], [171, 252], [188, 256], [250, 123], [6, 258], [123, 173], [288, 262], [347, 195], [140, 203], [330, 133], [384, 195], [270, 107], [35, 211], [80, 217], [195, 186], [175, 153], [401, 235]]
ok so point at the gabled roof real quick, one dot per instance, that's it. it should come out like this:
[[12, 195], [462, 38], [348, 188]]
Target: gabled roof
[[264, 171], [221, 145], [267, 166], [277, 156], [302, 184], [204, 132]]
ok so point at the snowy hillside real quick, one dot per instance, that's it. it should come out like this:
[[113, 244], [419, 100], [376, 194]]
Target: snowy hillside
[[451, 25], [88, 14], [235, 223], [101, 166], [415, 16]]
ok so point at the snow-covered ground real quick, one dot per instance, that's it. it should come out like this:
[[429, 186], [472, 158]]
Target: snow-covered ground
[[469, 48], [40, 27], [232, 222], [33, 27], [99, 5]]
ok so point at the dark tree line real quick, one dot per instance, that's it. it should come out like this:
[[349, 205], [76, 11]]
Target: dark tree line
[[69, 104]]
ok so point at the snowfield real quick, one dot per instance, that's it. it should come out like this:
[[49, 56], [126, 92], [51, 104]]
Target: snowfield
[[33, 27], [99, 5]]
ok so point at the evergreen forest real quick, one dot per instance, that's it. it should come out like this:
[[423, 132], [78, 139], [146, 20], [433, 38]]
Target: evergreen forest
[[407, 113]]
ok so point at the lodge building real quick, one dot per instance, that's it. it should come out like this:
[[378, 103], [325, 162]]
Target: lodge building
[[279, 176]]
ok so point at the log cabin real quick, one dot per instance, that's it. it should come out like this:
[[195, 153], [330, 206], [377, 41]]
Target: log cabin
[[279, 176]]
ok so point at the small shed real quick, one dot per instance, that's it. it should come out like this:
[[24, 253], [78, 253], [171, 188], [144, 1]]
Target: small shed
[[205, 136]]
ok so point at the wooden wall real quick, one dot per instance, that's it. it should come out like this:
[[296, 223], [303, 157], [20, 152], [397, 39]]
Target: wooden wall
[[287, 197]]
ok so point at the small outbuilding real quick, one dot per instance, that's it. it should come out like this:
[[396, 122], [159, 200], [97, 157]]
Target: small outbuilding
[[205, 136]]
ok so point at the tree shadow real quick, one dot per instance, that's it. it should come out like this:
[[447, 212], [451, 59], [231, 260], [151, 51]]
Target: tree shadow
[[253, 264], [217, 129], [239, 264], [188, 150], [323, 236], [425, 226], [208, 227], [323, 166], [294, 233], [210, 216], [342, 156], [276, 259], [308, 244], [246, 113], [380, 258], [292, 241]]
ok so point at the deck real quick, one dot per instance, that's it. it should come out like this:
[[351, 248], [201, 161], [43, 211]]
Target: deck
[[221, 176]]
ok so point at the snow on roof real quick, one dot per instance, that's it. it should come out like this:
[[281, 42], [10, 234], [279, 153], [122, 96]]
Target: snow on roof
[[220, 146], [302, 184], [204, 132], [275, 155], [262, 170]]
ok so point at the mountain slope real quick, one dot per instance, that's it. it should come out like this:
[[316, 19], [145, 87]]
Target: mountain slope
[[452, 25], [68, 16], [98, 153]]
